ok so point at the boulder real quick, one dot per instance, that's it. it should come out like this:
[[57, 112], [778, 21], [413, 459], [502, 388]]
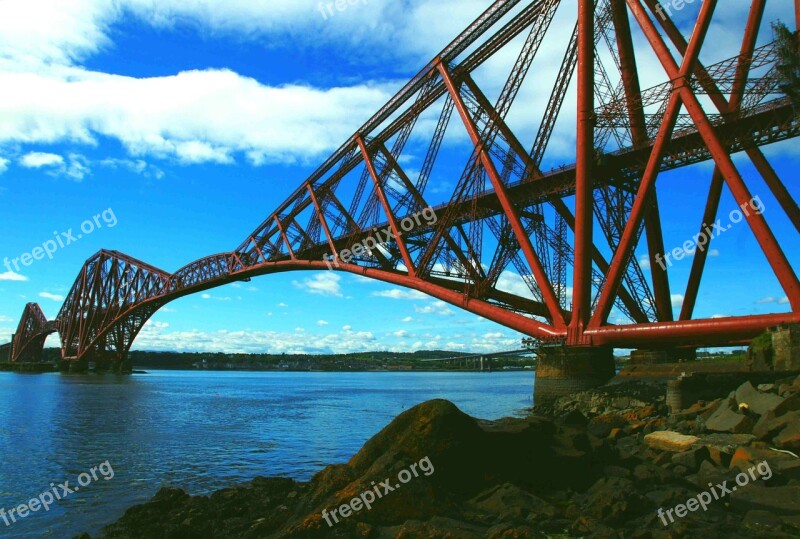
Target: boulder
[[789, 437], [746, 457], [757, 401], [692, 459], [670, 441], [761, 522], [789, 404], [777, 500], [508, 502], [725, 419], [769, 425]]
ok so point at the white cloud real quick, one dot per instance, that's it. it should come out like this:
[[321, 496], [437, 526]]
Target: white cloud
[[3, 164], [322, 322], [205, 296], [677, 301], [713, 252], [41, 159], [407, 319], [644, 262], [282, 305], [12, 276], [396, 293], [216, 116], [156, 336], [138, 166], [437, 307], [323, 284], [48, 295], [771, 299], [721, 316], [193, 116], [4, 318], [76, 168]]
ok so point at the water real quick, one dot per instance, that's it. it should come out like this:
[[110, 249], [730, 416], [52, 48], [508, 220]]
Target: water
[[202, 431]]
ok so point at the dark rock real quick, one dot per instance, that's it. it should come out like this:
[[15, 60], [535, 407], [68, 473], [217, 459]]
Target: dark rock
[[509, 503], [760, 522], [725, 419], [778, 500], [574, 418], [789, 437], [614, 500], [435, 527], [692, 459], [769, 425], [725, 443], [757, 401], [789, 404]]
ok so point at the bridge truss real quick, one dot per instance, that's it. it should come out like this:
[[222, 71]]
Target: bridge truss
[[584, 238]]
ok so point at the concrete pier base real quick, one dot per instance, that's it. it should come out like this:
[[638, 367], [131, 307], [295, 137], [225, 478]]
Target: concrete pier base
[[122, 366], [78, 367], [566, 370]]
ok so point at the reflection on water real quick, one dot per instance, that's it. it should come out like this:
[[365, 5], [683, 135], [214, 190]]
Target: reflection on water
[[202, 431]]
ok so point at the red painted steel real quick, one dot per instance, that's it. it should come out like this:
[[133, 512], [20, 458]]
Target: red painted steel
[[626, 137]]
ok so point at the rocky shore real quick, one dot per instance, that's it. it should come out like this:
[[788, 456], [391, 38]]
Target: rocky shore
[[610, 462]]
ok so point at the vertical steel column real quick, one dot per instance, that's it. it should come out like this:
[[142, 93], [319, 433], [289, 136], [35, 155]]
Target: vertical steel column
[[582, 276], [652, 218]]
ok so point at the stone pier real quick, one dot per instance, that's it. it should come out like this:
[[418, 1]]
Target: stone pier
[[570, 369]]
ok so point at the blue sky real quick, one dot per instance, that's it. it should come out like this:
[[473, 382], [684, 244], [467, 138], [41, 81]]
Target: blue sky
[[188, 122]]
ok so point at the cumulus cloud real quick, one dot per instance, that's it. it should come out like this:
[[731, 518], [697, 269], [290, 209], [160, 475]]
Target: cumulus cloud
[[323, 284], [53, 297], [3, 164], [437, 307], [192, 117], [202, 116], [40, 159], [396, 293], [157, 336], [12, 276], [75, 167]]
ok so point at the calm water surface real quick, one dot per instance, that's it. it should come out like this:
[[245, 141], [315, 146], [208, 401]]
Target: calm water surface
[[202, 431]]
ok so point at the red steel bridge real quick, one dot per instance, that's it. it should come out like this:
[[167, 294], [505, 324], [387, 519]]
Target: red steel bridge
[[577, 226]]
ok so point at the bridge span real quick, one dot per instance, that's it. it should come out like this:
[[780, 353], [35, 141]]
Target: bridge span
[[580, 226]]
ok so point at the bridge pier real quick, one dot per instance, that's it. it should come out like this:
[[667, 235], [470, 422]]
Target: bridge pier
[[78, 366], [570, 369], [122, 366]]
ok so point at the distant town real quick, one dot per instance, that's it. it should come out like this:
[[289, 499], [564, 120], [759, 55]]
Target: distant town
[[427, 360]]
